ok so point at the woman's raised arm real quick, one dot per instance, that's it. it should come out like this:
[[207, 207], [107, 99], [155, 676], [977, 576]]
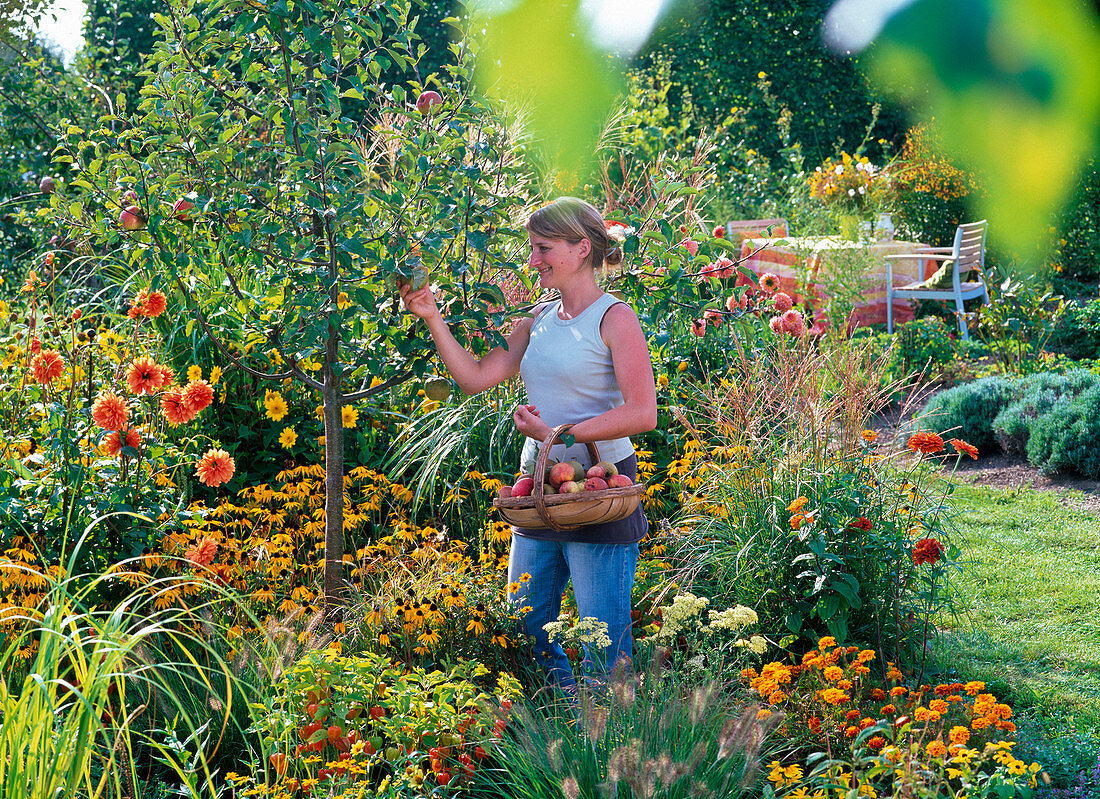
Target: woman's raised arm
[[473, 375]]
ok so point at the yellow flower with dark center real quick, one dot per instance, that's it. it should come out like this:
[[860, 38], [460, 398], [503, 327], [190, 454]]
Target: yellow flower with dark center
[[194, 372], [349, 416]]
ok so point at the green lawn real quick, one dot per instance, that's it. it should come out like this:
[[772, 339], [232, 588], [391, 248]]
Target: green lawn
[[1028, 605]]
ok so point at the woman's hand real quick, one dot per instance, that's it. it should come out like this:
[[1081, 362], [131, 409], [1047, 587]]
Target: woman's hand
[[528, 422], [419, 302]]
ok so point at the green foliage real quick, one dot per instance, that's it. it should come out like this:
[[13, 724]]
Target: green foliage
[[923, 345], [717, 52], [1077, 333], [660, 734], [1064, 439], [968, 411], [1076, 250], [1019, 320], [1038, 395]]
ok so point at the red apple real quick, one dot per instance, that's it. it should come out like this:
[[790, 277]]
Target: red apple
[[609, 469], [47, 185], [597, 471], [129, 197], [523, 487], [131, 218], [182, 209], [426, 100], [561, 473], [618, 481], [504, 492], [595, 484]]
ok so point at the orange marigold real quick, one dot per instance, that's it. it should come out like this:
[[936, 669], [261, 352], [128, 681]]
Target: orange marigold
[[974, 687], [852, 731], [870, 436], [888, 710], [963, 448], [215, 467], [197, 395], [928, 443], [146, 376], [113, 441], [878, 694], [833, 696], [935, 749], [47, 366], [109, 411], [203, 552], [959, 735], [876, 742], [927, 550]]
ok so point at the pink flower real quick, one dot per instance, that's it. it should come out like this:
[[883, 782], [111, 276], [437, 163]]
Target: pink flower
[[817, 329], [783, 301], [793, 323], [776, 324], [691, 246], [699, 327], [769, 283], [713, 317]]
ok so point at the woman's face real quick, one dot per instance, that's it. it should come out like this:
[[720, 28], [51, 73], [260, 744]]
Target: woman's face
[[557, 261]]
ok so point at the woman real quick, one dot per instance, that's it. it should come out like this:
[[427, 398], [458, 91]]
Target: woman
[[584, 360]]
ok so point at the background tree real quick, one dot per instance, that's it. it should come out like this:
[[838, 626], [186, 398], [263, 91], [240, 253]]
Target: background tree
[[288, 182]]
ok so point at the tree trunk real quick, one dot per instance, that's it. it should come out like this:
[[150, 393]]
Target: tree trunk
[[334, 482]]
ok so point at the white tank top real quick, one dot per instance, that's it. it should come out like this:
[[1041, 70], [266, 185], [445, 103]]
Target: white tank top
[[569, 377]]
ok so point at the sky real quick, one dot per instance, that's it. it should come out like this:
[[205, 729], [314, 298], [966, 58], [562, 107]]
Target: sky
[[619, 25], [65, 29]]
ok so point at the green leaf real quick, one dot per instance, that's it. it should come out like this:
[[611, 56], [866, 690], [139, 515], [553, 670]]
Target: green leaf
[[1014, 93], [568, 88], [353, 94]]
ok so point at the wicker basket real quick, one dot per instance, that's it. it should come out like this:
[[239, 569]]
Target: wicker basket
[[568, 511]]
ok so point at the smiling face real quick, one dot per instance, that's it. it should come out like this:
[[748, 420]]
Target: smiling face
[[557, 261]]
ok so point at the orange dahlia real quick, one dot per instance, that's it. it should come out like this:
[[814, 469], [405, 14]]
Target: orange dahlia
[[113, 441], [964, 448], [927, 550], [47, 366], [171, 402], [148, 303], [769, 282], [925, 442], [196, 395], [203, 552], [145, 376], [215, 467], [109, 411]]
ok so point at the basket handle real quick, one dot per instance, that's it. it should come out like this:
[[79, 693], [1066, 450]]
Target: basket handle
[[540, 474]]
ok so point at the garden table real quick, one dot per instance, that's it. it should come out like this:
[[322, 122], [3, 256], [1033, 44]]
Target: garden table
[[796, 260]]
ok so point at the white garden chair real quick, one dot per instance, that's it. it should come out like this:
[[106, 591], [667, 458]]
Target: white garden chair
[[966, 254]]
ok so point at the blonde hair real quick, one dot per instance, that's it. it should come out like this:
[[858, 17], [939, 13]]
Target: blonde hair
[[572, 219]]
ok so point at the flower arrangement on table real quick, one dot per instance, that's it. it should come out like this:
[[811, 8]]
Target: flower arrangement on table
[[851, 186]]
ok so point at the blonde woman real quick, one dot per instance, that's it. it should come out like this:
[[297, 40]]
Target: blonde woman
[[583, 360]]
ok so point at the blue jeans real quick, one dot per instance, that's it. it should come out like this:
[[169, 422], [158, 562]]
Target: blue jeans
[[603, 578]]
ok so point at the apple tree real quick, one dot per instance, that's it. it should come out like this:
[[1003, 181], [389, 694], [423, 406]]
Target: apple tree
[[281, 177]]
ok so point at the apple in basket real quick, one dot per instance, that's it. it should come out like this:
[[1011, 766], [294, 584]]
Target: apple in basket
[[578, 470], [603, 470], [570, 487], [595, 484], [619, 481], [561, 473], [523, 487], [504, 492]]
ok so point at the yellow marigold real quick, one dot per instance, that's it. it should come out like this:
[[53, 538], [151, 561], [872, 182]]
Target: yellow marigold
[[921, 714], [935, 748], [194, 372]]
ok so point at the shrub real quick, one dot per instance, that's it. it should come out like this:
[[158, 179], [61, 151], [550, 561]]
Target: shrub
[[1039, 393], [1078, 332], [923, 345], [1064, 440], [1076, 253], [968, 411]]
